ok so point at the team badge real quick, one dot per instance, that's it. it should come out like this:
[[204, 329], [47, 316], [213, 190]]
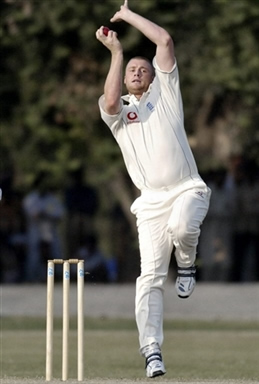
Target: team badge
[[132, 116]]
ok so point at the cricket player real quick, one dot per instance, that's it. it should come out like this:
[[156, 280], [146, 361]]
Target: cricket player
[[148, 125]]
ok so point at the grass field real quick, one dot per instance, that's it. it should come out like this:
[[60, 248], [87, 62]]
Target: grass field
[[196, 351]]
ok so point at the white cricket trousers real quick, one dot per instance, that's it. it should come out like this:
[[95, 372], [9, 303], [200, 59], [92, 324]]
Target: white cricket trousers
[[165, 219]]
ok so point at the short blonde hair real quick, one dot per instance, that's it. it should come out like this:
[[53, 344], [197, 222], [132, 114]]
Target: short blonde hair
[[145, 59]]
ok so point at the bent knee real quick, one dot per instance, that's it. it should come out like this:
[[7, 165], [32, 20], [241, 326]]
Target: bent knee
[[185, 235]]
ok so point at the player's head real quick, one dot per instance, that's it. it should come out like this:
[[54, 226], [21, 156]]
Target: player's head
[[139, 74]]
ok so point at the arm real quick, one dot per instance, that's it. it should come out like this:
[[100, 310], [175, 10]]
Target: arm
[[113, 83], [158, 35]]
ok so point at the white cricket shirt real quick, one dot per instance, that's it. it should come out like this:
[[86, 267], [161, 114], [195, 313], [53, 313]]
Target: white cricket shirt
[[151, 134]]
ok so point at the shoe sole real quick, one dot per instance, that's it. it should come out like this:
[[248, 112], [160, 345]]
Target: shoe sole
[[185, 297], [158, 373]]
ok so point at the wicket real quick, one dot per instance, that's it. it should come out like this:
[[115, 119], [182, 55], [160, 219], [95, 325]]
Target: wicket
[[65, 331]]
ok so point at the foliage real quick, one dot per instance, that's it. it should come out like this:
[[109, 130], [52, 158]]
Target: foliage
[[50, 86], [53, 71]]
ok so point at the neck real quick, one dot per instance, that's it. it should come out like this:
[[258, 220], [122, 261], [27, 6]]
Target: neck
[[137, 95]]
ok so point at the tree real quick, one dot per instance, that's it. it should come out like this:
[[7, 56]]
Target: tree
[[53, 71]]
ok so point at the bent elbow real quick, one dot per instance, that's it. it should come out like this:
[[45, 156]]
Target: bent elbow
[[167, 39]]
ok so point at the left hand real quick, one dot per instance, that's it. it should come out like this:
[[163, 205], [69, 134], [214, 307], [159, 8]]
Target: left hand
[[119, 16]]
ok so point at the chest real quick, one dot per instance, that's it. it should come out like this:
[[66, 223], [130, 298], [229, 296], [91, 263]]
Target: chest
[[143, 111]]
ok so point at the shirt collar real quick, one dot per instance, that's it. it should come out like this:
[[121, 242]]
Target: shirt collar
[[131, 99]]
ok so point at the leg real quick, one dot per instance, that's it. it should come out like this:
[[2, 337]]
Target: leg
[[155, 251], [189, 211]]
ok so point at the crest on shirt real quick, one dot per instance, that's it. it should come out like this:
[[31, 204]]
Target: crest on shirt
[[132, 117]]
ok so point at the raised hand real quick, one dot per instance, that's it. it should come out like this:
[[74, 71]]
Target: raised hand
[[119, 16], [109, 40]]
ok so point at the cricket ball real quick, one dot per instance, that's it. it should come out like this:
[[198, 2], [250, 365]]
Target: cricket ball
[[105, 31]]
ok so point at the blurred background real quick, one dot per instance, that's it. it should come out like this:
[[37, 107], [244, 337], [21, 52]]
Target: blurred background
[[66, 193]]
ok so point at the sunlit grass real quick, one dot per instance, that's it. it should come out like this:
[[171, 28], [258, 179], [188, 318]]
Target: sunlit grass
[[192, 350]]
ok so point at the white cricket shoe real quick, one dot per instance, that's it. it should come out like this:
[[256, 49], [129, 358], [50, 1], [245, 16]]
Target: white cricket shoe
[[154, 363], [185, 282]]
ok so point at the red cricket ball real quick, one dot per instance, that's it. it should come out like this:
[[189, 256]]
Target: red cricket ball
[[105, 31]]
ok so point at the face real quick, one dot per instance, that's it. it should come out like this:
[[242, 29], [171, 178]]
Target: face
[[138, 76]]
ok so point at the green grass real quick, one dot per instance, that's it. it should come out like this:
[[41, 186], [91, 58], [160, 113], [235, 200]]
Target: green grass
[[192, 350]]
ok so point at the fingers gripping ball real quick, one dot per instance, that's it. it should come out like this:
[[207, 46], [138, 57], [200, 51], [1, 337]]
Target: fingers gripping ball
[[105, 31]]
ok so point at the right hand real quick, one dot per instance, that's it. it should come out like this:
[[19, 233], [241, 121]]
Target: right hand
[[110, 41]]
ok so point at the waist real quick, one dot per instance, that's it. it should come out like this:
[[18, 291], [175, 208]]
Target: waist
[[184, 184]]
